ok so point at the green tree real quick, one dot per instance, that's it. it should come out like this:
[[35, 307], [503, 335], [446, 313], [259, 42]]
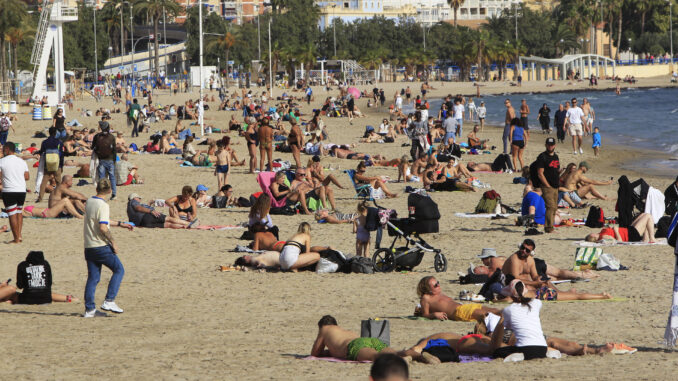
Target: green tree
[[307, 55], [110, 15], [222, 43], [12, 14], [16, 36], [154, 9], [455, 5]]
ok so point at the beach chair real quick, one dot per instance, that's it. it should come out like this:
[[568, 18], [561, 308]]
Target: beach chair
[[361, 191], [265, 179]]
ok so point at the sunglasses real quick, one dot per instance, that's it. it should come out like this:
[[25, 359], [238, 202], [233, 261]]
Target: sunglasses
[[436, 285], [301, 174], [525, 249]]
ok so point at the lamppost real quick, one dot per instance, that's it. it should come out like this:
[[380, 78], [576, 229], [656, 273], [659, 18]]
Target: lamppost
[[671, 32], [630, 56], [200, 117], [96, 65], [271, 80]]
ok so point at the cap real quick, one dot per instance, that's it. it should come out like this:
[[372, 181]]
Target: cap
[[132, 196], [510, 290], [201, 187], [487, 253], [584, 164], [550, 141]]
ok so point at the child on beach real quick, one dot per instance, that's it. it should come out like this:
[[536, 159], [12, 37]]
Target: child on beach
[[596, 141], [223, 162], [362, 236]]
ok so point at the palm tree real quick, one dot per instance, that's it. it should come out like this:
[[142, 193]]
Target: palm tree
[[15, 36], [220, 43], [288, 55], [455, 4], [154, 9], [110, 15], [307, 55], [12, 14]]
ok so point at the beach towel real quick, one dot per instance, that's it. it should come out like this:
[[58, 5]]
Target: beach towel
[[334, 359], [671, 332], [660, 241], [217, 227], [479, 215], [245, 249]]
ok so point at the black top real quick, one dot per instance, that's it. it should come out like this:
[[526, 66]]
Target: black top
[[671, 199], [281, 188], [551, 165], [544, 112], [34, 276], [560, 117], [60, 122]]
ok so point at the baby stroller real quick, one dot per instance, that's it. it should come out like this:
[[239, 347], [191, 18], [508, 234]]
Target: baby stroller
[[423, 218]]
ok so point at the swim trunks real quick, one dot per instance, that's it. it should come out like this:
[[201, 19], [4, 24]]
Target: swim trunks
[[546, 293], [441, 349], [576, 129], [363, 342], [465, 312], [351, 155], [222, 168]]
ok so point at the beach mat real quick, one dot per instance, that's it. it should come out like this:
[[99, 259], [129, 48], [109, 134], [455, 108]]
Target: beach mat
[[216, 227], [334, 359], [619, 299], [479, 215], [659, 242]]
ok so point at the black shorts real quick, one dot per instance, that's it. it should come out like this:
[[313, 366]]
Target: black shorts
[[523, 120], [530, 351], [311, 194], [151, 221], [34, 297], [634, 236], [14, 202], [540, 265], [518, 143]]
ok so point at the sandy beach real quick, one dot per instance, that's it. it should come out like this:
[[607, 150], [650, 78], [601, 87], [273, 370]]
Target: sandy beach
[[184, 319]]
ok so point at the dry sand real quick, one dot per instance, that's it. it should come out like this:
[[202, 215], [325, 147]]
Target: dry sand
[[185, 320]]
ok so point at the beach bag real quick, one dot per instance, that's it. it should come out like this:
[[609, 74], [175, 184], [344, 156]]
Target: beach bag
[[51, 161], [586, 257], [361, 265], [219, 202], [4, 124], [673, 231], [608, 262], [488, 203], [379, 329], [596, 218]]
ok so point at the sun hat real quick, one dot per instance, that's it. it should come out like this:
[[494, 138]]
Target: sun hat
[[488, 253], [201, 187], [132, 196]]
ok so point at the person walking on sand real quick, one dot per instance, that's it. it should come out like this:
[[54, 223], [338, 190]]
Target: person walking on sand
[[100, 249], [510, 114], [14, 174], [573, 123], [548, 176]]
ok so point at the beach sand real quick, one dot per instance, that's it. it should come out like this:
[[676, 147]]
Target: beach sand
[[184, 319]]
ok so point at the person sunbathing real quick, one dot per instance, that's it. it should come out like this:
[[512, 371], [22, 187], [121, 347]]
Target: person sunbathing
[[297, 252], [440, 182], [264, 239], [492, 262], [334, 341], [342, 153], [436, 305], [404, 171], [373, 181], [579, 186], [641, 230], [265, 260], [479, 167], [315, 173], [60, 209], [335, 217]]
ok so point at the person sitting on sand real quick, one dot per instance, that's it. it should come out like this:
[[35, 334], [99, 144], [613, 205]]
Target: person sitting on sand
[[533, 205], [60, 209], [641, 230], [146, 216], [297, 252], [474, 141], [65, 191], [260, 214], [579, 186], [374, 181], [183, 206], [306, 189], [126, 173], [521, 265], [440, 182], [404, 171], [334, 341], [436, 305], [34, 277], [314, 172], [265, 260], [324, 215]]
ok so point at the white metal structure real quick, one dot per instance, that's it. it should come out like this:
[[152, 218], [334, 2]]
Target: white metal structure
[[49, 39], [585, 64]]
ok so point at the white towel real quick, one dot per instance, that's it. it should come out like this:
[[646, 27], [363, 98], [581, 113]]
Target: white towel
[[654, 204]]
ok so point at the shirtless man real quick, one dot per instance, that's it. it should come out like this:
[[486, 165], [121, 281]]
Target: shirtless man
[[265, 144], [510, 114], [524, 112], [334, 341], [268, 259], [521, 265], [472, 166], [223, 164], [474, 141], [344, 153], [579, 186], [419, 166], [64, 190], [436, 305], [302, 185], [317, 176], [589, 116], [492, 262]]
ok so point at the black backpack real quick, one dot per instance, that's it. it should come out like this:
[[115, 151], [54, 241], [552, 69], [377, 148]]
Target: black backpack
[[361, 265], [596, 218]]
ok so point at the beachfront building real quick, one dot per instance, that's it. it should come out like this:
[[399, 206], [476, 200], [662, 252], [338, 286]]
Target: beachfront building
[[352, 10], [471, 12]]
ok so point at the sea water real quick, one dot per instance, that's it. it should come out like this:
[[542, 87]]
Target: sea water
[[639, 118]]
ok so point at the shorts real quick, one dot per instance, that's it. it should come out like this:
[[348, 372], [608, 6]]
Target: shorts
[[465, 312], [576, 129], [518, 143], [363, 342], [546, 293], [634, 236], [151, 221], [14, 202], [289, 256], [530, 351], [448, 136], [130, 178], [222, 168], [540, 266], [350, 156], [524, 121]]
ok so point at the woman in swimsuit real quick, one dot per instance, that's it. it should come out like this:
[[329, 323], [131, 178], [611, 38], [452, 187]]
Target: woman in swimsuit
[[315, 170], [518, 137], [295, 140], [251, 138], [375, 182], [404, 171], [264, 239], [296, 252], [183, 205], [62, 208], [641, 230], [265, 144]]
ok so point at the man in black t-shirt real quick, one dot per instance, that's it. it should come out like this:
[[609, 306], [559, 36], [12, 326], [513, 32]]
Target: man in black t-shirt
[[548, 176]]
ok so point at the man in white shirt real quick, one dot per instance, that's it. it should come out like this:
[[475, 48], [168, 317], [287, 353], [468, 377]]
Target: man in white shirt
[[14, 173], [482, 112], [573, 124], [459, 116]]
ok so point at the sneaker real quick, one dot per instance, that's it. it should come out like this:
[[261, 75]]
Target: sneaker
[[574, 153], [581, 151], [111, 306], [514, 357], [112, 198], [622, 349], [94, 313]]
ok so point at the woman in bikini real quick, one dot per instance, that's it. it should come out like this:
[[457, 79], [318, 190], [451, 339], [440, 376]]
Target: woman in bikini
[[183, 206], [375, 182], [295, 140], [315, 170], [404, 171], [641, 230], [251, 137], [62, 208], [297, 251], [265, 144]]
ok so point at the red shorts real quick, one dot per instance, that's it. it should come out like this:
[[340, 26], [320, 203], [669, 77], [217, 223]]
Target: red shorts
[[130, 178]]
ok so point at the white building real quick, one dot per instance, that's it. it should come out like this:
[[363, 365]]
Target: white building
[[433, 11]]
